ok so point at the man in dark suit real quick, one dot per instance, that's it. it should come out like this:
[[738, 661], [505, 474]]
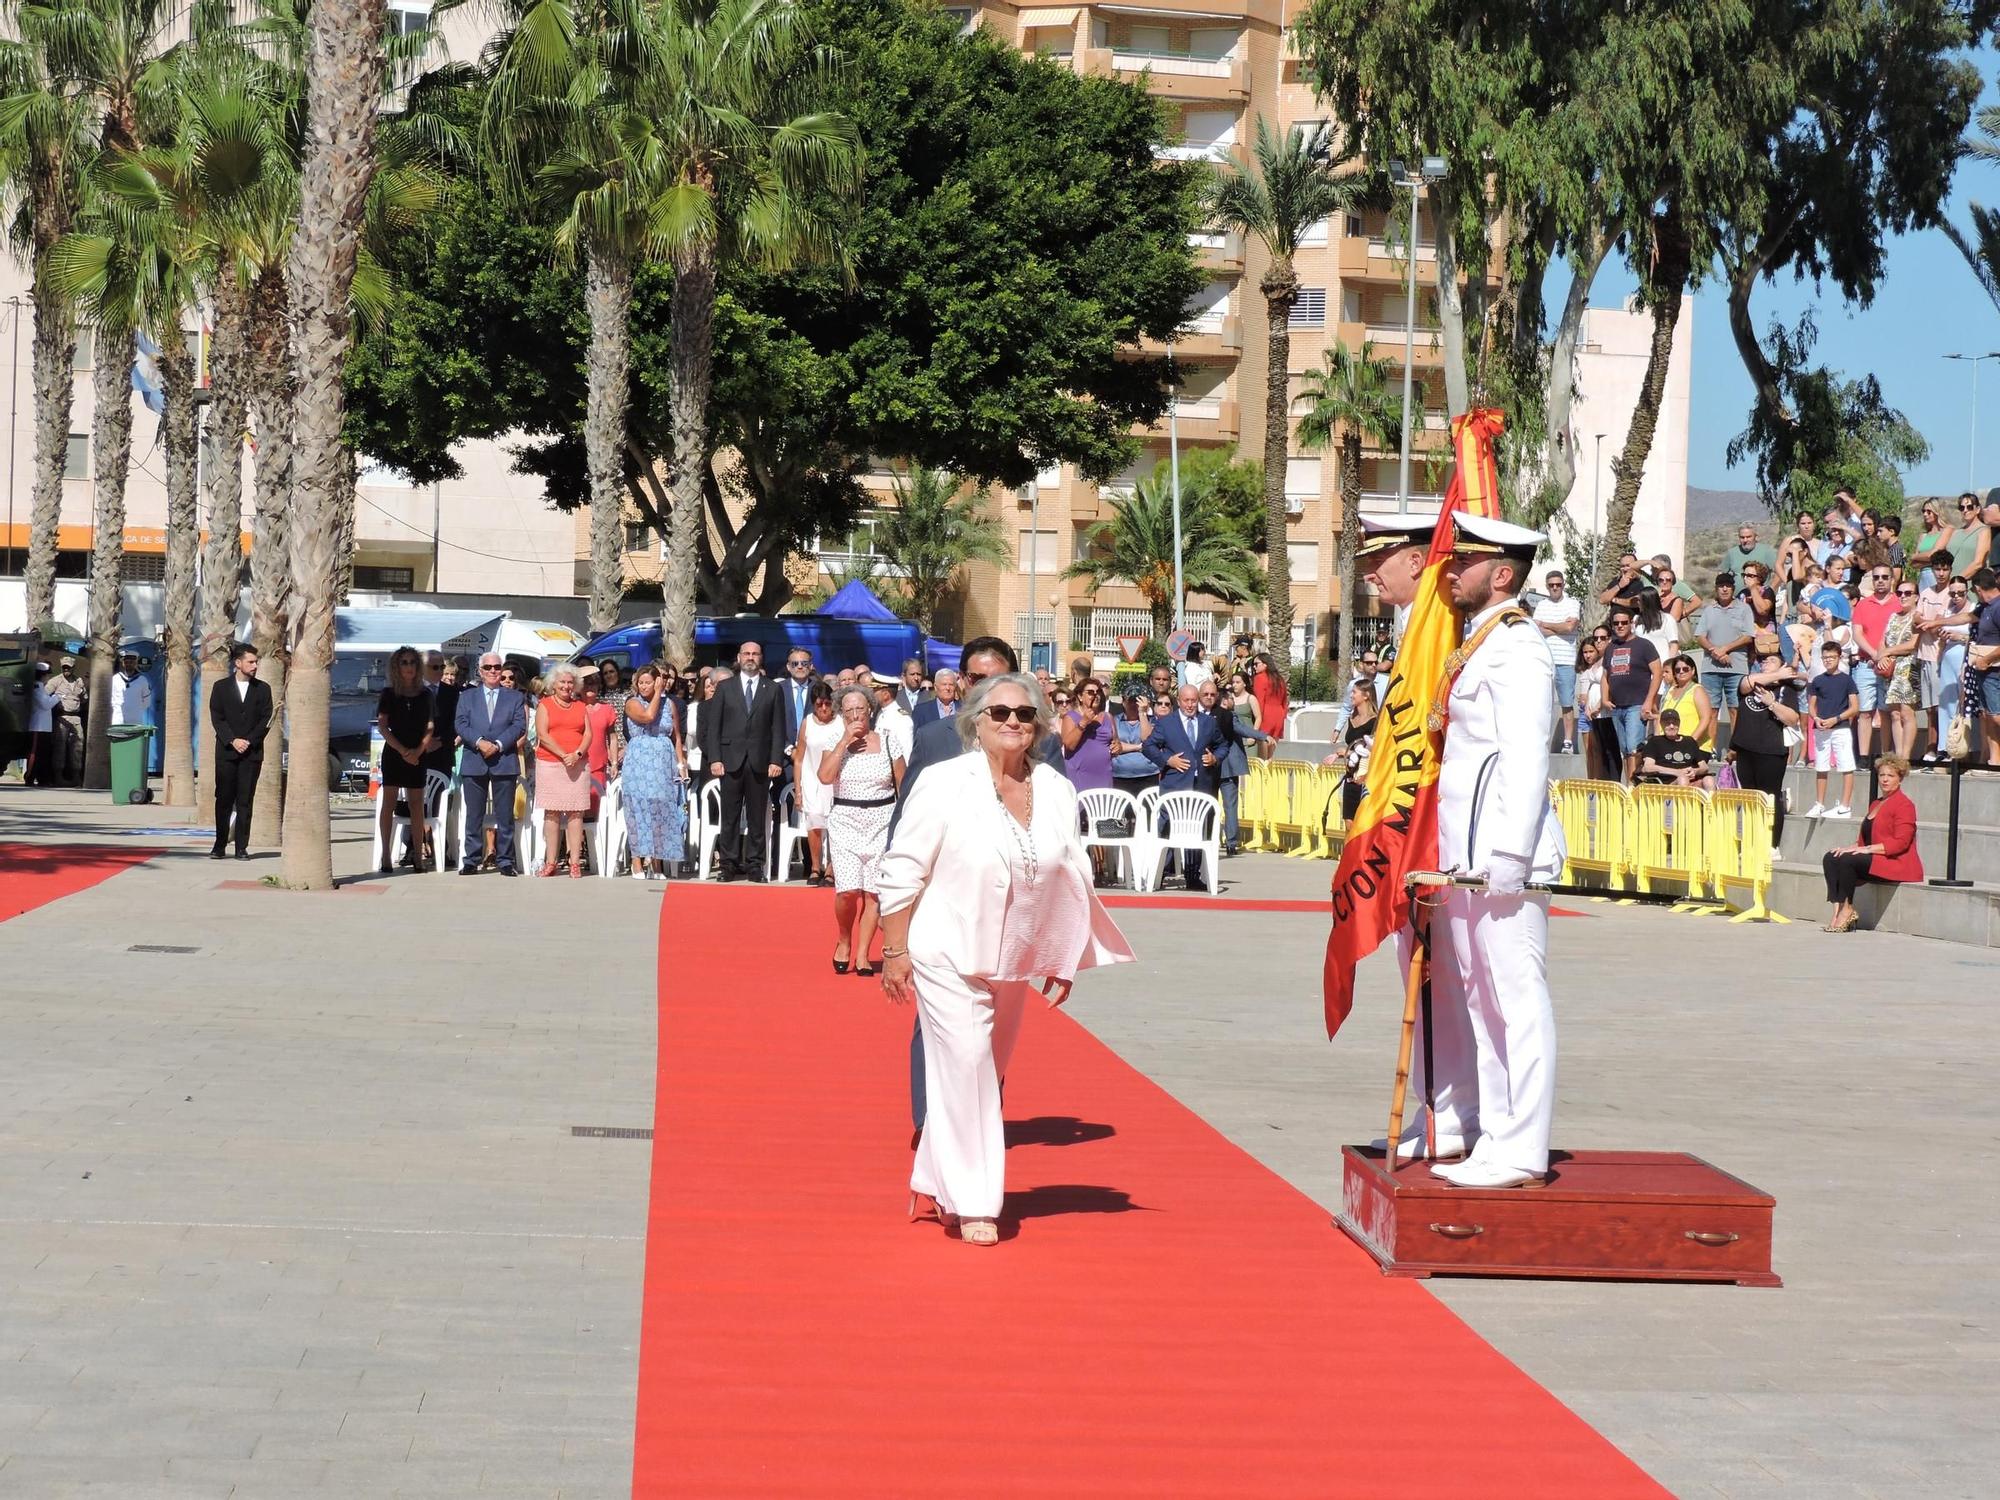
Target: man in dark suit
[[795, 698], [910, 691], [240, 709], [943, 703], [1186, 745], [742, 736], [492, 720]]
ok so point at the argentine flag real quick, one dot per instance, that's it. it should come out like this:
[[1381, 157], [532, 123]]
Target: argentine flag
[[146, 378]]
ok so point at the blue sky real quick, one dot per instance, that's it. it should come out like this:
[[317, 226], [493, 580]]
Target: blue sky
[[1926, 306]]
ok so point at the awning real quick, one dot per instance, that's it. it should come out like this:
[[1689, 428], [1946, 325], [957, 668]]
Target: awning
[[1061, 15]]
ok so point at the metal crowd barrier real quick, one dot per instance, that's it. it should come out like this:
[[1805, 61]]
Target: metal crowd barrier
[[1637, 838]]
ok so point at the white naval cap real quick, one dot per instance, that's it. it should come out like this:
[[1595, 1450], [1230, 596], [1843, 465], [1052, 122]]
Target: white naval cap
[[1489, 536], [1388, 533]]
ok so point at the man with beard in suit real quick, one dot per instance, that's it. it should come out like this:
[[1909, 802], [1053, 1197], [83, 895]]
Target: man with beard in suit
[[743, 743]]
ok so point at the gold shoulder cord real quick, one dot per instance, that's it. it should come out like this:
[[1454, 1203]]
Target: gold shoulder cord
[[1455, 663]]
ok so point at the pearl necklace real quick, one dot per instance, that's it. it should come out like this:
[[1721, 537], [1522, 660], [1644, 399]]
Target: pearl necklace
[[1024, 841]]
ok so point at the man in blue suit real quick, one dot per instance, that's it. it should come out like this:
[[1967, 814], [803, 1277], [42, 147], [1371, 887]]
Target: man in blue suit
[[942, 705], [1187, 746], [492, 720]]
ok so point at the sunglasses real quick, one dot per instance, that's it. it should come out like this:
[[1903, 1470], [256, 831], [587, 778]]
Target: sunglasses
[[999, 713], [1679, 671], [1906, 593], [489, 666]]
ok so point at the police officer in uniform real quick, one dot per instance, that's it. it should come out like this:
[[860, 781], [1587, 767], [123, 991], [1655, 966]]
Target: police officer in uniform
[[1391, 556], [1495, 823]]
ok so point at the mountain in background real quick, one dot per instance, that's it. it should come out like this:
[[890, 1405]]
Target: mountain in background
[[1707, 509]]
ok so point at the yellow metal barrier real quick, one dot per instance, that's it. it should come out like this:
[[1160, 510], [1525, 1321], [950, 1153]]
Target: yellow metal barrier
[[1670, 836], [1316, 809], [1251, 792], [1596, 818], [1739, 850]]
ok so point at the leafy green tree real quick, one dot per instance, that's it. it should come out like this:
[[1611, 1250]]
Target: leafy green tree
[[1228, 485], [1136, 546], [1291, 187], [938, 527], [1350, 399], [1016, 242]]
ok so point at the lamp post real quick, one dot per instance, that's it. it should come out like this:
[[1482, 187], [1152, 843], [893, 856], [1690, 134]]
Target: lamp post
[[1596, 508], [1972, 436], [1174, 481], [1431, 170], [13, 419], [1034, 557]]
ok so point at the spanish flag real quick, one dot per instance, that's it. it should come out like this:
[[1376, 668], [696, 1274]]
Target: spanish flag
[[1395, 829]]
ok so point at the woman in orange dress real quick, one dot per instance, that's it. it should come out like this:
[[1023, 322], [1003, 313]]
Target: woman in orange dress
[[562, 768]]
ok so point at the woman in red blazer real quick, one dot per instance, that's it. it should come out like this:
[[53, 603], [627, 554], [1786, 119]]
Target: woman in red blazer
[[1887, 851]]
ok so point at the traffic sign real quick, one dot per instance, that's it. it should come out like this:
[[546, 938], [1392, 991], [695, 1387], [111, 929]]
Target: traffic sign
[[1129, 646], [1178, 643]]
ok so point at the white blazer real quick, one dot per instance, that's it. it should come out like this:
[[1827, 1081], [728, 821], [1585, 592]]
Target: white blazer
[[950, 861], [1493, 783]]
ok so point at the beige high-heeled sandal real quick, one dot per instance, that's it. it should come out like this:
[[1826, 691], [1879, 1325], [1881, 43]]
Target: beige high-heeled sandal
[[979, 1231]]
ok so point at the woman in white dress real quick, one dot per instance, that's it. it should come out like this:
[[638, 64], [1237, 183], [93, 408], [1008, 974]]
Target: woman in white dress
[[865, 771], [822, 732], [986, 893]]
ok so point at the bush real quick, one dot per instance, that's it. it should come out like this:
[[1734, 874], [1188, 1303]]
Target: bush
[[1312, 682], [1126, 672], [1154, 654]]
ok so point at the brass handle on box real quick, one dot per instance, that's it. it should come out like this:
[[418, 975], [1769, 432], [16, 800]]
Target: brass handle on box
[[1713, 1236], [1458, 1231]]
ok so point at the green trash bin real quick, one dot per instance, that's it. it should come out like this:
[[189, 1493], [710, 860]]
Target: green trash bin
[[128, 763]]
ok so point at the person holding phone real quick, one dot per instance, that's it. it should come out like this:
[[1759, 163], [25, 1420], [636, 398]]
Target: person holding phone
[[865, 770]]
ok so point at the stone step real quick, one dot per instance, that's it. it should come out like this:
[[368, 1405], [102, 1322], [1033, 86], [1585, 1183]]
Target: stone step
[[1970, 915], [1806, 839]]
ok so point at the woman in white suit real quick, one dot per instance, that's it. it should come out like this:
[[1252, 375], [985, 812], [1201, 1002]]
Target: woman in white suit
[[985, 891]]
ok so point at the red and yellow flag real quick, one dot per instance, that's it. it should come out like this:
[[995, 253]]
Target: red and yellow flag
[[1394, 831]]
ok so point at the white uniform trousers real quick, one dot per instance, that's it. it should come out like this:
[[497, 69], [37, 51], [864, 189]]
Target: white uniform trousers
[[969, 1027], [1453, 1057], [1501, 945]]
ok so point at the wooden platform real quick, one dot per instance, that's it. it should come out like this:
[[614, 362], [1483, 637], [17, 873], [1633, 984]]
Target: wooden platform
[[1618, 1215]]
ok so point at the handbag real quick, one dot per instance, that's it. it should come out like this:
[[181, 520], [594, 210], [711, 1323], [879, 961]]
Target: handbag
[[1958, 739], [1794, 736], [1725, 779]]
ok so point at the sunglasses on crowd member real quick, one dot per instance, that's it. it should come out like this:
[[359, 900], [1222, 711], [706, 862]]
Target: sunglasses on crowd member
[[999, 713], [1954, 593], [1617, 620], [1882, 576], [1906, 593], [1682, 667], [1968, 505]]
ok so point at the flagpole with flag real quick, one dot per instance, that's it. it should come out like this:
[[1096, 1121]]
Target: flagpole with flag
[[1394, 831]]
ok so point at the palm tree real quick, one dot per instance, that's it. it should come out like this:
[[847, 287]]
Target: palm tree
[[1981, 248], [1136, 546], [934, 532], [1350, 396], [1292, 187], [344, 92], [45, 141]]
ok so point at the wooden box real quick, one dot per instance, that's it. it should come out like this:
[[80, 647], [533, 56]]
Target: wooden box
[[1623, 1215]]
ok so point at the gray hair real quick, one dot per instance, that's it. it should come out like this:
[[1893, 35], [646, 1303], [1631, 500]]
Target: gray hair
[[968, 715], [559, 671], [841, 695]]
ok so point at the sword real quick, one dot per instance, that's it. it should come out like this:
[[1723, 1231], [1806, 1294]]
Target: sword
[[1453, 880]]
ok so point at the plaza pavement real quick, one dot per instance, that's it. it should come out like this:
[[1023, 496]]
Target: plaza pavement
[[301, 1211]]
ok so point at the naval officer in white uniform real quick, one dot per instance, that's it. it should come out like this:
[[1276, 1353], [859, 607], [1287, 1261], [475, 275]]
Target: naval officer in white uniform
[[1391, 556], [1495, 822]]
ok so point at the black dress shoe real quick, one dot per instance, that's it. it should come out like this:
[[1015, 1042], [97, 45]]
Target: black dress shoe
[[509, 871], [755, 877], [218, 853], [468, 869], [242, 853]]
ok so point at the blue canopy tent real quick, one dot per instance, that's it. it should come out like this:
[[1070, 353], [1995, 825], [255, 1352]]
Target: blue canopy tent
[[856, 601]]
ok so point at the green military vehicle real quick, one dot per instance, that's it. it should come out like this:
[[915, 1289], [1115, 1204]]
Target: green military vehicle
[[19, 651]]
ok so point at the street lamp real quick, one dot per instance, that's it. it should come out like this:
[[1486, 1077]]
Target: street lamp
[[1972, 443], [1174, 480], [1431, 169], [1596, 508]]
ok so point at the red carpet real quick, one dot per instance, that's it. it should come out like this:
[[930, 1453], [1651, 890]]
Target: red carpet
[[33, 875], [1172, 1319]]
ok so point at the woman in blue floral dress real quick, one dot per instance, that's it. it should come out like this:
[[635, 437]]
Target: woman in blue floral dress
[[652, 784]]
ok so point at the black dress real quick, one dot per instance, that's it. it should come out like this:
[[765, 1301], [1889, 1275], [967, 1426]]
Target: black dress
[[409, 721]]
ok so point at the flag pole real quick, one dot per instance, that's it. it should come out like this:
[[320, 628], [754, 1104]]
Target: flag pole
[[1413, 988]]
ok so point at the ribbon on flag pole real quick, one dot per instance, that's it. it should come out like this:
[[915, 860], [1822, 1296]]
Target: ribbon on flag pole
[[1394, 831]]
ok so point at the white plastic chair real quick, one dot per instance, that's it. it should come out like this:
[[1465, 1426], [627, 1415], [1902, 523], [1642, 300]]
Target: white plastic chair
[[437, 793], [787, 834], [711, 826], [1193, 825], [1107, 805], [607, 848]]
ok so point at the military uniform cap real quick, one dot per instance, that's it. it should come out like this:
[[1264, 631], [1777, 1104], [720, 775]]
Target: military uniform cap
[[1488, 536], [1388, 533]]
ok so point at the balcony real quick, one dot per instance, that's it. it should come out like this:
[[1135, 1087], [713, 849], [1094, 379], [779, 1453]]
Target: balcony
[[1365, 259], [1217, 249], [1173, 75], [1389, 503], [1211, 336], [1387, 342], [1206, 419], [1215, 151]]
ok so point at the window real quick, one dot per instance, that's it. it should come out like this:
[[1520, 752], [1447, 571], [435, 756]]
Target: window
[[76, 457], [1302, 477], [1153, 39], [86, 349], [372, 471], [1212, 43], [1314, 233], [963, 15], [1304, 559], [1038, 552], [1310, 310], [1350, 304], [142, 567], [638, 537], [839, 552], [1051, 477], [383, 580], [407, 17]]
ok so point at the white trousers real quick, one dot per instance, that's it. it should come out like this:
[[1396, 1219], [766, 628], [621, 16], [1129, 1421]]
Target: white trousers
[[1453, 1057], [969, 1028], [1500, 945]]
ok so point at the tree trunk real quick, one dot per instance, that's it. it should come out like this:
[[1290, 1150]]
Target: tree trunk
[[54, 363], [1561, 442], [344, 88], [1350, 543], [350, 479], [222, 559], [271, 396], [608, 298], [1280, 286], [111, 455], [693, 328], [183, 525], [1669, 284], [1451, 304]]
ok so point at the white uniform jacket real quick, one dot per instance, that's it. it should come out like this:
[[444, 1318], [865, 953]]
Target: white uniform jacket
[[949, 859], [1493, 784]]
